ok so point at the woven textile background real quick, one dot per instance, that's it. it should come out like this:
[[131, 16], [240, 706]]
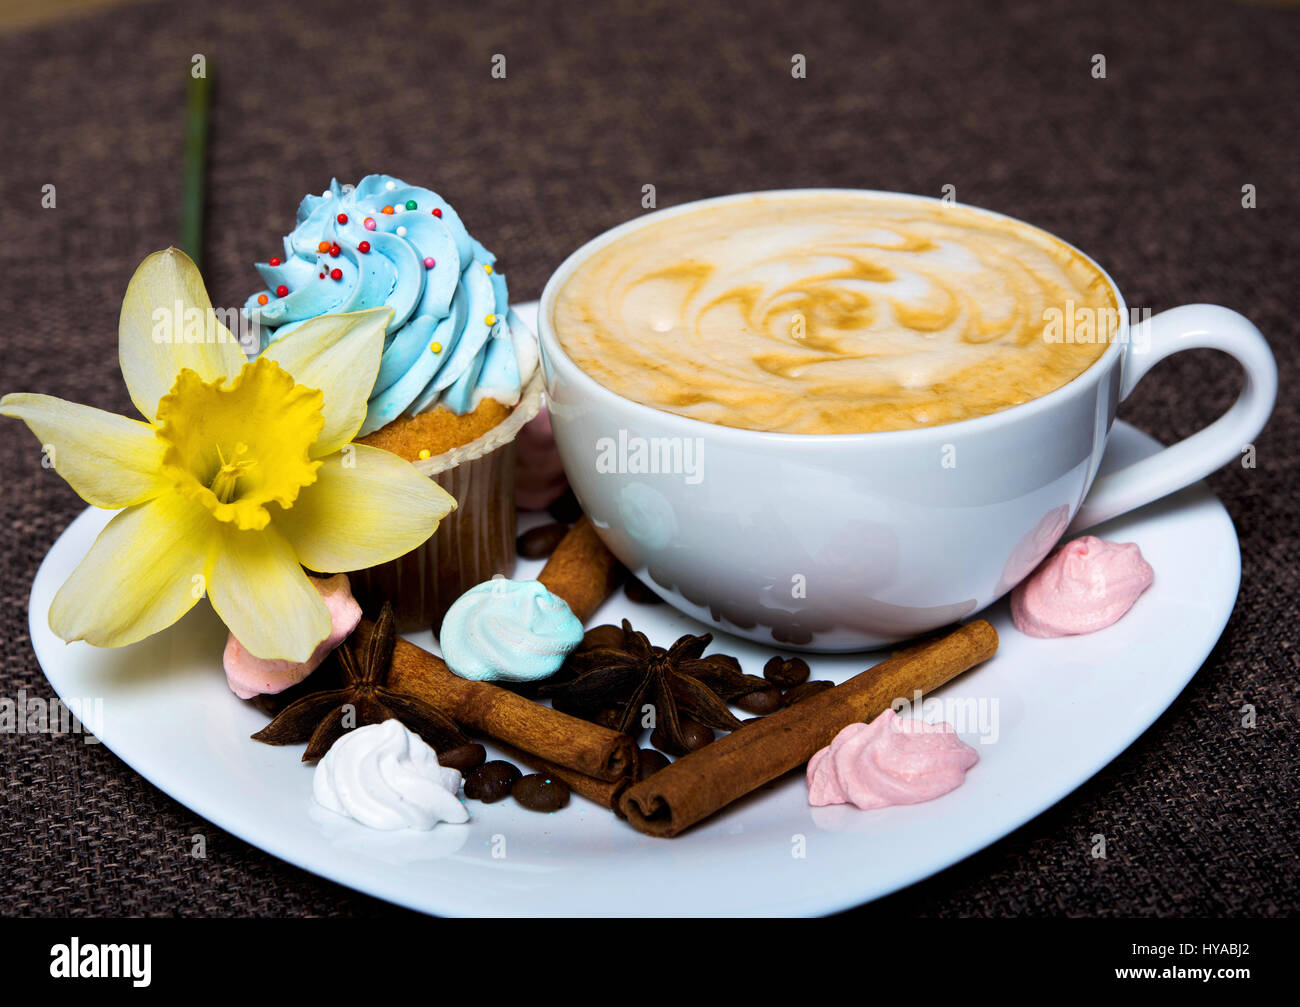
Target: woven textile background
[[1144, 169]]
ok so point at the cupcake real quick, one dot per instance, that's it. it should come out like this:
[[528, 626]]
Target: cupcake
[[457, 382]]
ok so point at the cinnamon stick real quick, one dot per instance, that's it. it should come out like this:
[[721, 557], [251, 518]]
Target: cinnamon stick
[[603, 792], [566, 741], [705, 781], [581, 570]]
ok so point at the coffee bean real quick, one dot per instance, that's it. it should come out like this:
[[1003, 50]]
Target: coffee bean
[[695, 734], [566, 508], [491, 782], [802, 692], [639, 594], [609, 718], [540, 792], [464, 758], [649, 762], [762, 702], [540, 542], [786, 673], [607, 635]]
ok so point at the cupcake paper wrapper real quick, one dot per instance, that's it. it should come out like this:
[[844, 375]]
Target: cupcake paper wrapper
[[474, 542]]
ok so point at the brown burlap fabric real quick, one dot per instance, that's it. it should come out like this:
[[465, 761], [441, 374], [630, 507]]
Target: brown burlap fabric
[[1143, 168]]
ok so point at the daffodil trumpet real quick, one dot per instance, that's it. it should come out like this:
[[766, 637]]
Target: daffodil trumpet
[[240, 474]]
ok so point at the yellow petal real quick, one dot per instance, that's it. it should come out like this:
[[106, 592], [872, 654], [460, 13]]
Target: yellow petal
[[264, 598], [235, 447], [146, 569], [366, 506], [167, 324], [339, 354], [111, 461]]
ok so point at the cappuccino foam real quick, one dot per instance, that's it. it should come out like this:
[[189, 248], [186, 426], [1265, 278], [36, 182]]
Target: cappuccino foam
[[834, 313]]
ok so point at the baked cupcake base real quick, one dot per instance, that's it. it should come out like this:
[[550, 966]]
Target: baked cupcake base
[[474, 542]]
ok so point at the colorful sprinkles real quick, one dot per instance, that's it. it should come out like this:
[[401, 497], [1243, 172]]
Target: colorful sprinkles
[[334, 250]]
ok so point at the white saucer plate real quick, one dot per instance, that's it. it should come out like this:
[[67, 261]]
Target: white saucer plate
[[1045, 716]]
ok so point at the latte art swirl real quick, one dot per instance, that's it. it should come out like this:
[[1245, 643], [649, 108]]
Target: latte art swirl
[[831, 313]]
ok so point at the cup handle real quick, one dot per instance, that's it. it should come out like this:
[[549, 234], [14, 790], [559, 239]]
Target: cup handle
[[1192, 326]]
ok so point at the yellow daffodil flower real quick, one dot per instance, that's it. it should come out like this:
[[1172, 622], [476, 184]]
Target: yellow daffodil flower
[[241, 474]]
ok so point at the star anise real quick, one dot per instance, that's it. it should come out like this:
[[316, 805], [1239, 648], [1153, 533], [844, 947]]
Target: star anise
[[619, 667], [318, 718]]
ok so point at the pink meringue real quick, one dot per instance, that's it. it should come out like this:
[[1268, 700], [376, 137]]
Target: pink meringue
[[889, 761], [1084, 586], [250, 676], [539, 474]]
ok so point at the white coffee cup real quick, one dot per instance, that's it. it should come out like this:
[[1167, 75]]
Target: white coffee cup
[[837, 542]]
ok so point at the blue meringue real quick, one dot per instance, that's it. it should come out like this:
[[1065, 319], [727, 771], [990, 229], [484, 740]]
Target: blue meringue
[[511, 630]]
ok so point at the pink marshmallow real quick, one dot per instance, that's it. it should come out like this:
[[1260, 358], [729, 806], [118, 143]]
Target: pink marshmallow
[[250, 676]]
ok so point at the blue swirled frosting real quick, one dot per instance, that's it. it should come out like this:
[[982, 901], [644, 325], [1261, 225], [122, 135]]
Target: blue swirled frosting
[[452, 340]]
